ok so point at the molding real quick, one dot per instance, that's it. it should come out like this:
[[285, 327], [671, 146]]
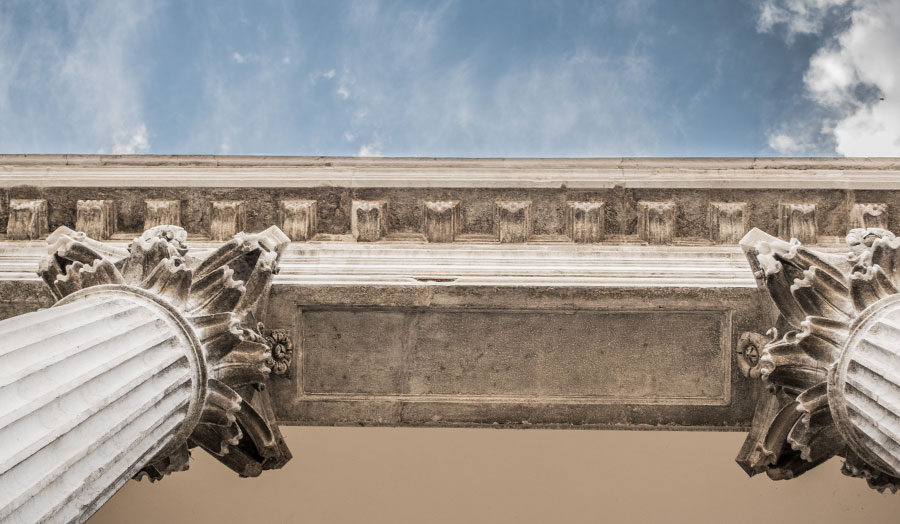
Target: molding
[[412, 264], [596, 173]]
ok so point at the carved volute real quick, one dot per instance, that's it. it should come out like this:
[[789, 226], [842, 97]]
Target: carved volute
[[831, 365]]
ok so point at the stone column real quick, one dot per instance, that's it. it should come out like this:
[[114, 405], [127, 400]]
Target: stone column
[[90, 391], [147, 352]]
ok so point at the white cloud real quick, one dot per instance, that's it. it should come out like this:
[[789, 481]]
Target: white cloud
[[369, 150], [342, 91], [238, 58], [854, 77], [132, 143], [315, 76], [349, 137], [798, 16], [784, 144]]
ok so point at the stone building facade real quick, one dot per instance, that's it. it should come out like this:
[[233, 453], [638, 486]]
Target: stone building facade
[[592, 293]]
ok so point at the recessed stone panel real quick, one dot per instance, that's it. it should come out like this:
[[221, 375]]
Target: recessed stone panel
[[584, 356]]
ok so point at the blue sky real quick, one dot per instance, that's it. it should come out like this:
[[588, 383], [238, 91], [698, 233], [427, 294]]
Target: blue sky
[[452, 78]]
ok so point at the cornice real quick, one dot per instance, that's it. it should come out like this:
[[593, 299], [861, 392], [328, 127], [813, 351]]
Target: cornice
[[572, 173]]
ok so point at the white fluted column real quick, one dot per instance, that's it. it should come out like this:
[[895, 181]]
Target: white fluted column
[[90, 391]]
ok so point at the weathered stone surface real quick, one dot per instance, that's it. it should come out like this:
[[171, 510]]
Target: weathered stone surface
[[298, 219], [406, 184], [585, 221], [441, 221], [513, 221], [227, 218], [162, 213], [27, 219], [461, 331], [727, 222], [656, 222], [96, 218], [544, 356], [548, 272], [368, 221], [413, 329], [869, 215], [798, 221]]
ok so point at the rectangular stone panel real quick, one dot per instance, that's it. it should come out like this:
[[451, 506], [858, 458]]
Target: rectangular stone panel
[[553, 356]]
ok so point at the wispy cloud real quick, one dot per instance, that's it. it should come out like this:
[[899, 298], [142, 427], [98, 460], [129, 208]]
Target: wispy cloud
[[582, 103], [369, 150], [442, 78], [796, 16], [132, 142], [854, 78], [76, 65]]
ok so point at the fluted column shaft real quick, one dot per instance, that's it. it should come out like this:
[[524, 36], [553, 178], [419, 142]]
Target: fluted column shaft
[[90, 391]]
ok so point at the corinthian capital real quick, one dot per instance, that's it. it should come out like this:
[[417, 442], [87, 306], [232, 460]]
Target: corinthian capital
[[217, 297], [831, 364]]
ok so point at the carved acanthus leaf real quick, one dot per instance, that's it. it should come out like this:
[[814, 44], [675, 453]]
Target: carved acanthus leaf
[[820, 375]]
